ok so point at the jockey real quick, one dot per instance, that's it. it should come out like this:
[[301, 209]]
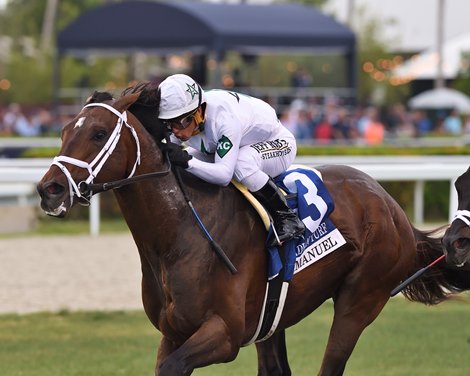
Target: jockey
[[230, 135]]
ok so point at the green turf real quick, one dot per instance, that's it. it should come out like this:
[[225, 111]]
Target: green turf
[[407, 339]]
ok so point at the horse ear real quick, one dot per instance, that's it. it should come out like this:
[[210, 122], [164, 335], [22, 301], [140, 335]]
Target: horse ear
[[124, 102], [98, 97]]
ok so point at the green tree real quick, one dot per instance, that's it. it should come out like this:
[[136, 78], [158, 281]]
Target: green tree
[[25, 17], [375, 62], [462, 82], [27, 68]]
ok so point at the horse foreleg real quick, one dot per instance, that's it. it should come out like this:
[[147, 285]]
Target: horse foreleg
[[165, 348], [210, 344], [353, 314], [272, 356]]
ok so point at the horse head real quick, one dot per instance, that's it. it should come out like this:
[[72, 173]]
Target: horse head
[[456, 240], [101, 144]]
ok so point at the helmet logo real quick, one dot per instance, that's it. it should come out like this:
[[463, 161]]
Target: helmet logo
[[192, 90]]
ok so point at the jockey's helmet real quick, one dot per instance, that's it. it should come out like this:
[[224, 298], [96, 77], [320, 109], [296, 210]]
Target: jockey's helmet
[[180, 94]]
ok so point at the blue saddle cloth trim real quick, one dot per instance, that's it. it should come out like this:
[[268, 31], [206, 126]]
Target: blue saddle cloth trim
[[308, 212]]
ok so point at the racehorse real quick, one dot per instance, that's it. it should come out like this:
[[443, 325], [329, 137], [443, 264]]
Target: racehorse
[[204, 312], [456, 240]]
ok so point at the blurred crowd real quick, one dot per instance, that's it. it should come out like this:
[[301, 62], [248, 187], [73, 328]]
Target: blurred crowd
[[333, 123], [309, 122], [29, 122]]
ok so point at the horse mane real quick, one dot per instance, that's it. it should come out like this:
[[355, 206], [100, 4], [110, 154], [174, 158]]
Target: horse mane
[[440, 282], [146, 108]]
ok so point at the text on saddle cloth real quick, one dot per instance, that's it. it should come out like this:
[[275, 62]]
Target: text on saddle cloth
[[308, 196]]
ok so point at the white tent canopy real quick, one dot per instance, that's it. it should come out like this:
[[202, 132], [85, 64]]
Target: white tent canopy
[[424, 65], [441, 98]]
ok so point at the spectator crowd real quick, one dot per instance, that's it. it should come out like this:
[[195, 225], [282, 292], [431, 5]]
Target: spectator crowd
[[333, 123], [311, 123], [31, 122]]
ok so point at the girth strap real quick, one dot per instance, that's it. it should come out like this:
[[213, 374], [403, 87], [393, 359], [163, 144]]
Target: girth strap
[[273, 305]]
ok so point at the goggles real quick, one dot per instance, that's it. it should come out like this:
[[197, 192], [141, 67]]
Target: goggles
[[181, 123]]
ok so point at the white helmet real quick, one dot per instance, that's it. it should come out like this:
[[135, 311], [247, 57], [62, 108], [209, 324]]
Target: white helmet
[[180, 94]]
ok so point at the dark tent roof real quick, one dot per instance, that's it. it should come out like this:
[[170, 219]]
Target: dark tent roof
[[149, 25]]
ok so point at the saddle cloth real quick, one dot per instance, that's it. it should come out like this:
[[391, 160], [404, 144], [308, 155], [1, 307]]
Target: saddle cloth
[[308, 196]]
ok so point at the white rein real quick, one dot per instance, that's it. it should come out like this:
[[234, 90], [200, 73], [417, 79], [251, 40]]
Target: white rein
[[95, 166]]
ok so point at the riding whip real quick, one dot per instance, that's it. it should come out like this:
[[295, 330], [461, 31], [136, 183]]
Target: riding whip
[[217, 248], [421, 271]]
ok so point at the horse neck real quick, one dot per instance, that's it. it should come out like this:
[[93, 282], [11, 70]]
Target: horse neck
[[151, 207]]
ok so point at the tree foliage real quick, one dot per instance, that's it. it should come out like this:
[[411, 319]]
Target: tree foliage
[[25, 17], [27, 68], [462, 82], [373, 49], [30, 70]]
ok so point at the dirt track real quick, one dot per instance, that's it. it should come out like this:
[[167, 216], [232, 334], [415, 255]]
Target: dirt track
[[69, 272], [51, 273]]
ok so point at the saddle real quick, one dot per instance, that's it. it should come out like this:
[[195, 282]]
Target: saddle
[[308, 196]]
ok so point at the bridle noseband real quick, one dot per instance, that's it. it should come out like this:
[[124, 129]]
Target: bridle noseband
[[86, 188], [463, 215]]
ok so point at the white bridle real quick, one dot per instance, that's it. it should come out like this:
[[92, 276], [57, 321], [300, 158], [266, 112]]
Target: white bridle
[[463, 215], [95, 166]]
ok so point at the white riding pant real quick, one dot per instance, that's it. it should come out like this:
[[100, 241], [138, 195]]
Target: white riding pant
[[259, 161]]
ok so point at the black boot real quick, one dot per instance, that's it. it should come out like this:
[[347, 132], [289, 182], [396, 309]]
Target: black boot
[[286, 222]]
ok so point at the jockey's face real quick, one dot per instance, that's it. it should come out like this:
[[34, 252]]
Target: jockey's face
[[183, 128], [184, 134]]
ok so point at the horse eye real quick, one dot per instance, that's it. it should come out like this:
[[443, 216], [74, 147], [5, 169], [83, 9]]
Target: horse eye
[[100, 135]]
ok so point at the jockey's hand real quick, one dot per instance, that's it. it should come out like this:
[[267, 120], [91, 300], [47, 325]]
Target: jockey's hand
[[176, 154]]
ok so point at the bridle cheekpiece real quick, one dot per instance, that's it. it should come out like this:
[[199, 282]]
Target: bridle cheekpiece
[[81, 190]]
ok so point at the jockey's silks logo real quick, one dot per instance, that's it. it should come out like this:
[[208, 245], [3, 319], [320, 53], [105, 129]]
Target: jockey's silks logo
[[203, 148], [192, 90], [223, 146]]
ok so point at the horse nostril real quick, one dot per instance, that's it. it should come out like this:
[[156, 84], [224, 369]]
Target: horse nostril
[[50, 189], [461, 243]]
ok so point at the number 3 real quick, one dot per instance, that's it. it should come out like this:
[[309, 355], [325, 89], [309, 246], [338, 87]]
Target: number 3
[[310, 197]]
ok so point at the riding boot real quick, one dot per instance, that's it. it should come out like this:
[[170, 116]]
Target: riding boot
[[286, 223]]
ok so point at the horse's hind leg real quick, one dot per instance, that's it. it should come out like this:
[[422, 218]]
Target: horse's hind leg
[[353, 313], [272, 356]]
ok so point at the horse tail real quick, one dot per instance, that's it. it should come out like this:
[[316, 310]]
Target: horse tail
[[441, 281]]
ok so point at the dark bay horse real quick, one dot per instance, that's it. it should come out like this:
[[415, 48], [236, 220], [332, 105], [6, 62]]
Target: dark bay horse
[[457, 237], [204, 312]]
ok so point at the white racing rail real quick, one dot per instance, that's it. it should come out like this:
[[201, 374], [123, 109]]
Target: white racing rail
[[18, 177]]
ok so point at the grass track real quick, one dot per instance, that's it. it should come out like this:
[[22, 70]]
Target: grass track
[[408, 339]]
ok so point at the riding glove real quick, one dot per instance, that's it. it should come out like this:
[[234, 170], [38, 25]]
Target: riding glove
[[176, 154]]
